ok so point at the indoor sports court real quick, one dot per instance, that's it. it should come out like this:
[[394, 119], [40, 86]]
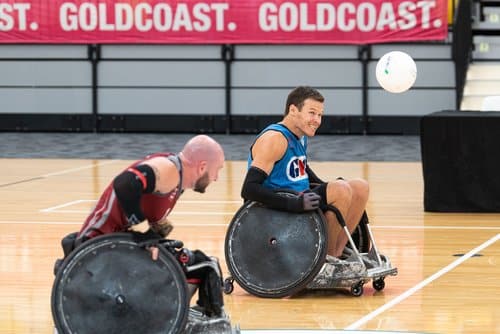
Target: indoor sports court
[[447, 262]]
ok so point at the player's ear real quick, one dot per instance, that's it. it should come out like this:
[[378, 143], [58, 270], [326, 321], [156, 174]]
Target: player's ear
[[202, 167], [293, 109]]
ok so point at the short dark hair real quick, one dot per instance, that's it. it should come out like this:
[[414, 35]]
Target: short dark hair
[[301, 93]]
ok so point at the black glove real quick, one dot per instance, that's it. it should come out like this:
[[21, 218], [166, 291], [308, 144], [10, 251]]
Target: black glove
[[307, 201], [147, 237], [310, 201]]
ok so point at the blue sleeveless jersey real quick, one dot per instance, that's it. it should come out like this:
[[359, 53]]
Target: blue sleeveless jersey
[[290, 171]]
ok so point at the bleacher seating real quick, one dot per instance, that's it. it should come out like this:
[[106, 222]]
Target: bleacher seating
[[483, 76]]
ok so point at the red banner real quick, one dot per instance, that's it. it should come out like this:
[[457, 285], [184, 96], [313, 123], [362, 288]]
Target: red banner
[[219, 22]]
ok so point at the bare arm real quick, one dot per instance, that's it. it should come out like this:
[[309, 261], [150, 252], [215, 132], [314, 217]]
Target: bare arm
[[268, 148]]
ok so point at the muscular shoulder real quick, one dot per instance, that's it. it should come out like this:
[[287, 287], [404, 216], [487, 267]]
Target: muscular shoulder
[[267, 149], [167, 175], [273, 135]]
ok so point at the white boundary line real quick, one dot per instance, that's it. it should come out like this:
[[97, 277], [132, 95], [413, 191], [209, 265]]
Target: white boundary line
[[64, 171], [76, 169], [486, 228], [54, 208], [176, 213], [24, 222], [423, 227], [422, 284], [211, 202], [315, 331]]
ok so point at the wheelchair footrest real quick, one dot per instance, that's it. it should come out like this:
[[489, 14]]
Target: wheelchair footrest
[[382, 272], [339, 275], [199, 323]]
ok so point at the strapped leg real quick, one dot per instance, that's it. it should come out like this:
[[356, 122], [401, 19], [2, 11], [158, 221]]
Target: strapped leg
[[208, 317], [340, 273], [206, 271], [342, 223], [336, 272]]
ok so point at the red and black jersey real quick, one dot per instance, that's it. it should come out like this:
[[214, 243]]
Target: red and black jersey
[[107, 216]]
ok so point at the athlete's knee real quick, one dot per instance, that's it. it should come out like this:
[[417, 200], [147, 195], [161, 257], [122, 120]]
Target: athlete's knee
[[339, 191], [360, 189]]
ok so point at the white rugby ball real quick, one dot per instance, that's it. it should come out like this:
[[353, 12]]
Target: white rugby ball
[[396, 71]]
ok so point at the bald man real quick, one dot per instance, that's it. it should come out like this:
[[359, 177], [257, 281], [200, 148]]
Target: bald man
[[149, 188]]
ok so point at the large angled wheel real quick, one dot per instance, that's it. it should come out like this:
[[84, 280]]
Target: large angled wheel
[[111, 285], [274, 253]]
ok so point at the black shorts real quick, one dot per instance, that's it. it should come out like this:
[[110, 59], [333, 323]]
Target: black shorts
[[320, 189]]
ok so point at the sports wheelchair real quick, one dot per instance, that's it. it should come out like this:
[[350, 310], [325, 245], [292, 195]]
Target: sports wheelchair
[[275, 254], [110, 284]]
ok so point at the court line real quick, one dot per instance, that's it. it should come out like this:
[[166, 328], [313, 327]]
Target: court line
[[422, 284], [173, 214], [403, 227], [314, 331], [54, 208], [64, 171], [76, 169], [26, 222], [21, 181], [179, 213], [212, 202]]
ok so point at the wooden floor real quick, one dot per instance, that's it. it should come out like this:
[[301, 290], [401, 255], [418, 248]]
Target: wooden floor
[[449, 264]]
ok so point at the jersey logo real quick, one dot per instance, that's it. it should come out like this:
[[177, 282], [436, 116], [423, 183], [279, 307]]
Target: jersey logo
[[296, 168]]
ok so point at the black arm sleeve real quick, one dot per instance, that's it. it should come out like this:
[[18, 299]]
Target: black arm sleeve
[[129, 187], [313, 178], [253, 190]]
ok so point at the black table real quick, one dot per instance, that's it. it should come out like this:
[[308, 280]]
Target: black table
[[461, 161]]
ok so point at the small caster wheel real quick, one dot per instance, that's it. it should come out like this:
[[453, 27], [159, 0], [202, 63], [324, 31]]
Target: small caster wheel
[[357, 289], [228, 286], [379, 284]]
